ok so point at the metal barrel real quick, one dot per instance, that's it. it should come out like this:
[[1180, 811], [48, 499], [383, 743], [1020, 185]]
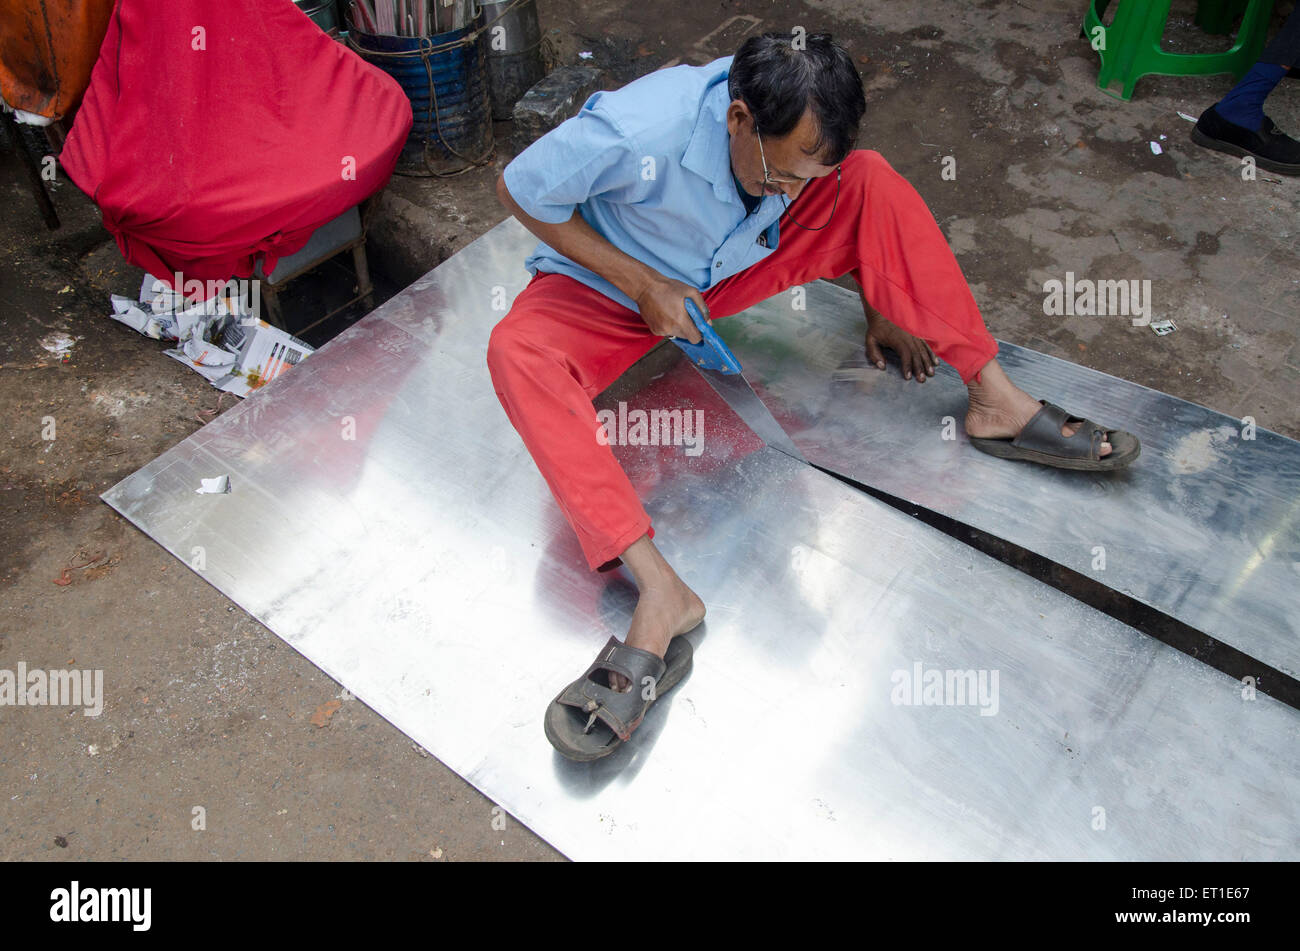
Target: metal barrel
[[514, 52], [460, 127], [324, 13]]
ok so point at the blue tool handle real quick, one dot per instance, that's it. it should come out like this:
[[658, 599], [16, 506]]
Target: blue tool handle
[[710, 353]]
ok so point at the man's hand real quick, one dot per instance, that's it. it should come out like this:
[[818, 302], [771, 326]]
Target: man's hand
[[913, 352], [663, 308]]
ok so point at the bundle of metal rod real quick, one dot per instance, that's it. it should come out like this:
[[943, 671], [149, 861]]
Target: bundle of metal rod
[[411, 17]]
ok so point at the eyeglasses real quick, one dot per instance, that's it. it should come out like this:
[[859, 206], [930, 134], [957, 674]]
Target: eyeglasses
[[769, 180]]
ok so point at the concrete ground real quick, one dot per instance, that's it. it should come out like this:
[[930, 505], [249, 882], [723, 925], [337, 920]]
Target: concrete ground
[[207, 708]]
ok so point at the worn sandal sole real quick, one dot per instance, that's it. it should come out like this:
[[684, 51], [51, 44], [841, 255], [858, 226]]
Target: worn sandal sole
[[563, 724], [1124, 448]]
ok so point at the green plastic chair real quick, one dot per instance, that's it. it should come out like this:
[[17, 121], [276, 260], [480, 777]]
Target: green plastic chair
[[1132, 42]]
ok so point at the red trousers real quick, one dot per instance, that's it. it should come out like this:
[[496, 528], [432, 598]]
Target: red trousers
[[563, 343]]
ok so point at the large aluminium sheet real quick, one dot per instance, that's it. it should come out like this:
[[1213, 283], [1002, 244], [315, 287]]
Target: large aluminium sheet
[[386, 522]]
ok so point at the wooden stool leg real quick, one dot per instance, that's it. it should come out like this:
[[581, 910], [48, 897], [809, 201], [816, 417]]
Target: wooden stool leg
[[365, 290], [30, 163], [271, 306]]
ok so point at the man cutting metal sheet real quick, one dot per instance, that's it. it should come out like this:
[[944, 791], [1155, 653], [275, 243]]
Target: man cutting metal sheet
[[720, 185]]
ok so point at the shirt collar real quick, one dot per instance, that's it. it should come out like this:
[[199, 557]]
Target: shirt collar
[[708, 154]]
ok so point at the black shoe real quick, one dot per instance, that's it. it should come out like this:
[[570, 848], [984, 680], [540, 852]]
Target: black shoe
[[1270, 147]]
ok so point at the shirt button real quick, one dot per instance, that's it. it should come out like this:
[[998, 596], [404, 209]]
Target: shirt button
[[719, 264]]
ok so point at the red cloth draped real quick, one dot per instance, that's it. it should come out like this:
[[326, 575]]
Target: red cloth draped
[[214, 132]]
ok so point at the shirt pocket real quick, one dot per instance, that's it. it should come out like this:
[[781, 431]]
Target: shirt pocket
[[755, 251]]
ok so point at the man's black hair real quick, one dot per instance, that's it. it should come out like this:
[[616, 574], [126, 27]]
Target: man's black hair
[[779, 82]]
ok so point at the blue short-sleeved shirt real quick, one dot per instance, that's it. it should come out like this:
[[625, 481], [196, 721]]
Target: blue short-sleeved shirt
[[649, 168]]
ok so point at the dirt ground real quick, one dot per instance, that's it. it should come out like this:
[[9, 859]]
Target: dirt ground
[[207, 708]]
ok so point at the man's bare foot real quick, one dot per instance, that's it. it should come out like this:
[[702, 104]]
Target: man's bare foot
[[1000, 410], [666, 606]]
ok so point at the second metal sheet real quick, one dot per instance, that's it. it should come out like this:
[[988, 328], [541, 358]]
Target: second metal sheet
[[1205, 526]]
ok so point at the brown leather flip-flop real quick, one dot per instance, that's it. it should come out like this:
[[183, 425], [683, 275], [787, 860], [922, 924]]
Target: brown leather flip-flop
[[1043, 442]]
